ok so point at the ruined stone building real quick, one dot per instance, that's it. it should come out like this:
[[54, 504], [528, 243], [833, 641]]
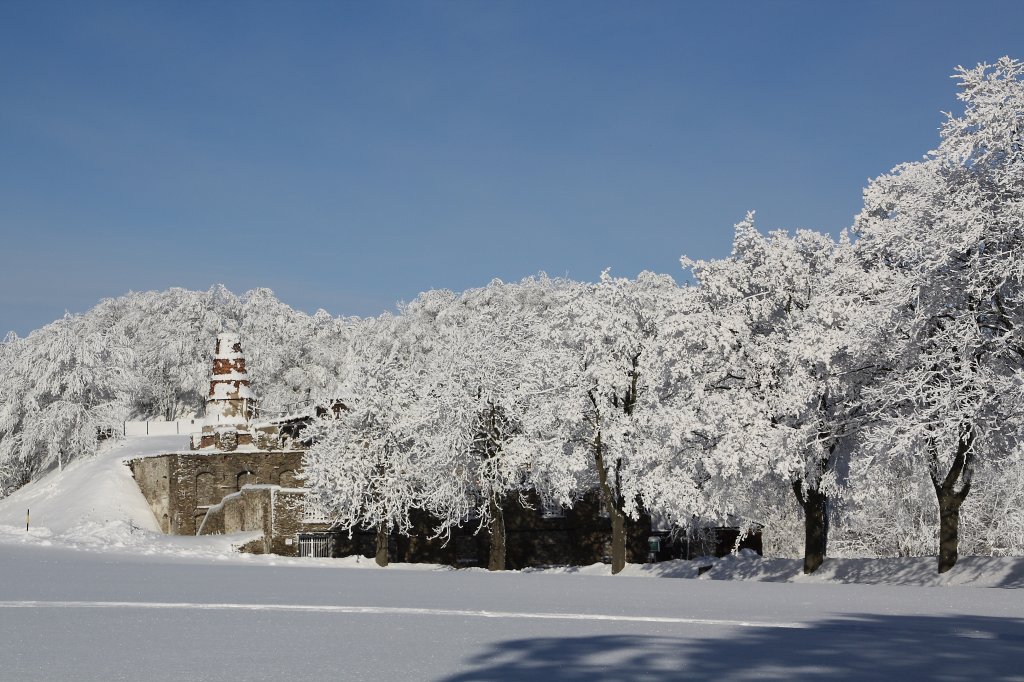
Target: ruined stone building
[[242, 474]]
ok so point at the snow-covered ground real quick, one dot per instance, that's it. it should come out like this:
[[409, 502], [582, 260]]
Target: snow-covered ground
[[70, 614], [93, 591]]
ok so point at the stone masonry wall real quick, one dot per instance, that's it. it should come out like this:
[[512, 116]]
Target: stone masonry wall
[[153, 476], [181, 487], [258, 491], [276, 512]]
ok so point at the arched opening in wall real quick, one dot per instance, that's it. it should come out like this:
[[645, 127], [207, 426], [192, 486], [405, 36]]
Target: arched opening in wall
[[244, 478], [206, 491], [288, 480]]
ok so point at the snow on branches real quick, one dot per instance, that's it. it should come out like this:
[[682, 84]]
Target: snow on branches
[[949, 231]]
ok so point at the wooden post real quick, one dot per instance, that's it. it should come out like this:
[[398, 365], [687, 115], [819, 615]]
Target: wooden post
[[27, 517]]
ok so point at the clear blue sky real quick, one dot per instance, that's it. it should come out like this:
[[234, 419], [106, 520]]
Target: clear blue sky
[[348, 155]]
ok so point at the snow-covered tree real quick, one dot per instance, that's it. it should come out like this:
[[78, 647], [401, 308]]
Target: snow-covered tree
[[295, 359], [949, 231], [610, 330], [64, 385], [487, 381], [364, 468], [147, 355], [781, 363]]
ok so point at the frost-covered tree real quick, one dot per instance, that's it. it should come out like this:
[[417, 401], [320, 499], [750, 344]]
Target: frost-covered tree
[[949, 231], [64, 384], [364, 469], [147, 355], [487, 381], [295, 359], [610, 330], [781, 364], [170, 333]]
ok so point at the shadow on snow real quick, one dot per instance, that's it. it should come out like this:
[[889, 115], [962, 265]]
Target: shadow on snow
[[855, 647]]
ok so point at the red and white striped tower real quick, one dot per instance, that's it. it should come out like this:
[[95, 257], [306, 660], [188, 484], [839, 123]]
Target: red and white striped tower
[[230, 400], [230, 404]]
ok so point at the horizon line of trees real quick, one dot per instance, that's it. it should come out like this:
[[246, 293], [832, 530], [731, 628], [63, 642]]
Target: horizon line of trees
[[854, 396]]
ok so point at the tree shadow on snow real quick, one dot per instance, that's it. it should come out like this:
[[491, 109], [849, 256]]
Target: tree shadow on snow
[[1014, 577], [970, 570], [855, 647]]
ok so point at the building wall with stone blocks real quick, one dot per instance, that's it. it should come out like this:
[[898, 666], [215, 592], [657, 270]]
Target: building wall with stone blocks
[[534, 536], [182, 487], [153, 475], [231, 492], [274, 511]]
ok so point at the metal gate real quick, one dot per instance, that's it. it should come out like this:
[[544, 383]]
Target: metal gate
[[314, 546]]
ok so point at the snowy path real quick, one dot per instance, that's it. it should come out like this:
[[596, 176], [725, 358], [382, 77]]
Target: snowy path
[[100, 616]]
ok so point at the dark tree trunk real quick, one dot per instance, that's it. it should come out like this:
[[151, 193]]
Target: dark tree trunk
[[382, 544], [618, 518], [949, 528], [950, 498], [815, 506], [496, 560], [610, 490], [618, 541]]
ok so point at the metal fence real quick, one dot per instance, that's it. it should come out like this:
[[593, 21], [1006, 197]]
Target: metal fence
[[314, 546]]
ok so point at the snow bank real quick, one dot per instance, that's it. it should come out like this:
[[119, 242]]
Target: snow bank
[[97, 490], [94, 503]]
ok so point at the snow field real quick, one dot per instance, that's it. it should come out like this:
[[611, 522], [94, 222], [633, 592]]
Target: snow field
[[69, 614]]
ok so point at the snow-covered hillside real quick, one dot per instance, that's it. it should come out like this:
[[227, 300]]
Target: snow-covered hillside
[[95, 503], [96, 492]]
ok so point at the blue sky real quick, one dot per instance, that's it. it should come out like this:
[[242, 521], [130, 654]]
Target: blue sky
[[349, 155]]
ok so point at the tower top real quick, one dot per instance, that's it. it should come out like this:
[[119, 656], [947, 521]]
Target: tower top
[[230, 398], [229, 347]]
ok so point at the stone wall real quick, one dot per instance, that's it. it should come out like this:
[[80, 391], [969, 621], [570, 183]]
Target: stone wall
[[153, 474], [181, 487], [580, 536], [258, 491], [275, 511]]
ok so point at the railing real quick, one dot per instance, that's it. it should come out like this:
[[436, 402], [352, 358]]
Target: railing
[[285, 410], [155, 428], [172, 428]]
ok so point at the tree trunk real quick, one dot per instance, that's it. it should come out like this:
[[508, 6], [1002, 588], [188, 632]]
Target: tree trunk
[[949, 498], [382, 544], [618, 541], [617, 517], [496, 560], [949, 527], [815, 506]]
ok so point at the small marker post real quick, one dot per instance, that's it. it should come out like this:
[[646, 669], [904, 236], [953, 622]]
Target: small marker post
[[27, 517]]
